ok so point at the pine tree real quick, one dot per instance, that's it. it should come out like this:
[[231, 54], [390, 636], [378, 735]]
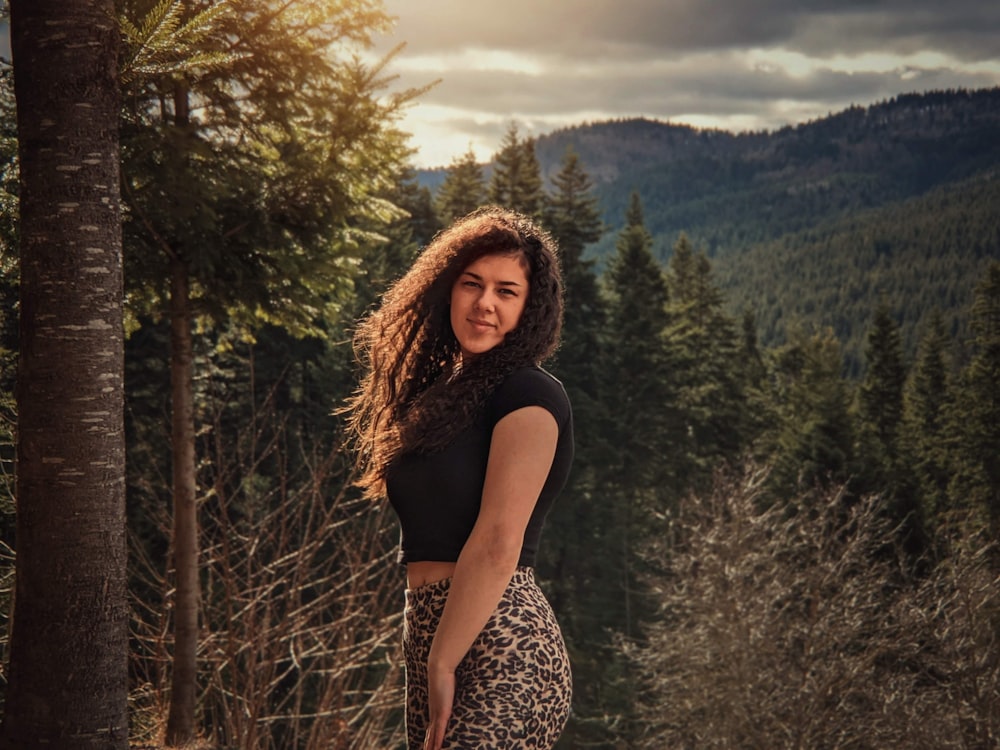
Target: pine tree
[[883, 466], [758, 413], [812, 443], [642, 396], [639, 472], [880, 398], [750, 349], [705, 356], [421, 220], [398, 245], [516, 182], [573, 559], [976, 425], [572, 214], [531, 189], [573, 219], [462, 191], [927, 402]]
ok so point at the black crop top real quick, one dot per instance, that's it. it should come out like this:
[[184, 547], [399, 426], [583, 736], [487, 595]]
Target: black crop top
[[437, 496]]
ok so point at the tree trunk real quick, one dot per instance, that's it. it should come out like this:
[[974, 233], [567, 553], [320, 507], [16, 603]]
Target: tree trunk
[[68, 675], [184, 682]]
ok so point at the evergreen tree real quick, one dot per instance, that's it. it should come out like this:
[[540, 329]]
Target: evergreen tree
[[926, 402], [883, 467], [642, 397], [880, 398], [572, 215], [639, 471], [573, 559], [422, 221], [976, 428], [463, 189], [812, 441], [531, 189], [398, 242], [750, 350], [516, 182], [705, 358], [573, 219], [758, 413]]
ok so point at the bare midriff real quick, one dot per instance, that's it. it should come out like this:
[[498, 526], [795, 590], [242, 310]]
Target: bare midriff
[[427, 571]]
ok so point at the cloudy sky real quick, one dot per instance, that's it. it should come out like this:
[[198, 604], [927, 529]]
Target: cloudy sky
[[732, 64]]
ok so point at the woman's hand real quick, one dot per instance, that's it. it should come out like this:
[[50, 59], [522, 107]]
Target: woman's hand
[[440, 698]]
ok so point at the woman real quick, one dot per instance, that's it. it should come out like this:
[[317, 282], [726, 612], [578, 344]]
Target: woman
[[471, 440]]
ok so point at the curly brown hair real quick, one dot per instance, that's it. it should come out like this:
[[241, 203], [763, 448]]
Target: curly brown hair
[[417, 394]]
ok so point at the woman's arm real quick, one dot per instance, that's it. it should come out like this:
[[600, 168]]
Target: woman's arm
[[521, 452]]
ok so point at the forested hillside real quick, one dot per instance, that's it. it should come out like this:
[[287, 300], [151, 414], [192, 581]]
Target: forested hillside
[[917, 255], [727, 191], [813, 224]]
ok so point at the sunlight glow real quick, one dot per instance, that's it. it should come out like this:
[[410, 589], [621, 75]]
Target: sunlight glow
[[486, 60], [441, 134]]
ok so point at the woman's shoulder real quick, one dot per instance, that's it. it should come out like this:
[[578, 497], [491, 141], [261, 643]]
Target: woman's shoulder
[[532, 376], [531, 386]]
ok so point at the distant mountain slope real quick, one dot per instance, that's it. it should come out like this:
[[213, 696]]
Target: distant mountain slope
[[916, 255], [727, 191]]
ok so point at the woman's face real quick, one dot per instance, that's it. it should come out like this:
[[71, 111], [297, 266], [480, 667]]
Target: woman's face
[[487, 300]]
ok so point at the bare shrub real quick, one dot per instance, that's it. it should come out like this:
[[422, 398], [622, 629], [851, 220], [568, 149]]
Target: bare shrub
[[300, 607], [794, 626]]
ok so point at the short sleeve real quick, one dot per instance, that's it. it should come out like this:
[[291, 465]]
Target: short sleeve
[[531, 386]]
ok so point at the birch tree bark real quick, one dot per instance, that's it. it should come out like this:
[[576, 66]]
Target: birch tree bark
[[68, 668]]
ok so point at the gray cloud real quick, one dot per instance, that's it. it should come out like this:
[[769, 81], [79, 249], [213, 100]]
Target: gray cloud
[[716, 89], [967, 29], [748, 63]]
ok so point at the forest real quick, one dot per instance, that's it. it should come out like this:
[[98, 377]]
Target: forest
[[781, 525]]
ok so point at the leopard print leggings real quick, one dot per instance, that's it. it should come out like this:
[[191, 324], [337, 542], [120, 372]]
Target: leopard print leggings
[[513, 687]]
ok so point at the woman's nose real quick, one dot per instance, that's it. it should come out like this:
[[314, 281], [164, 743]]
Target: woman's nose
[[485, 301]]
